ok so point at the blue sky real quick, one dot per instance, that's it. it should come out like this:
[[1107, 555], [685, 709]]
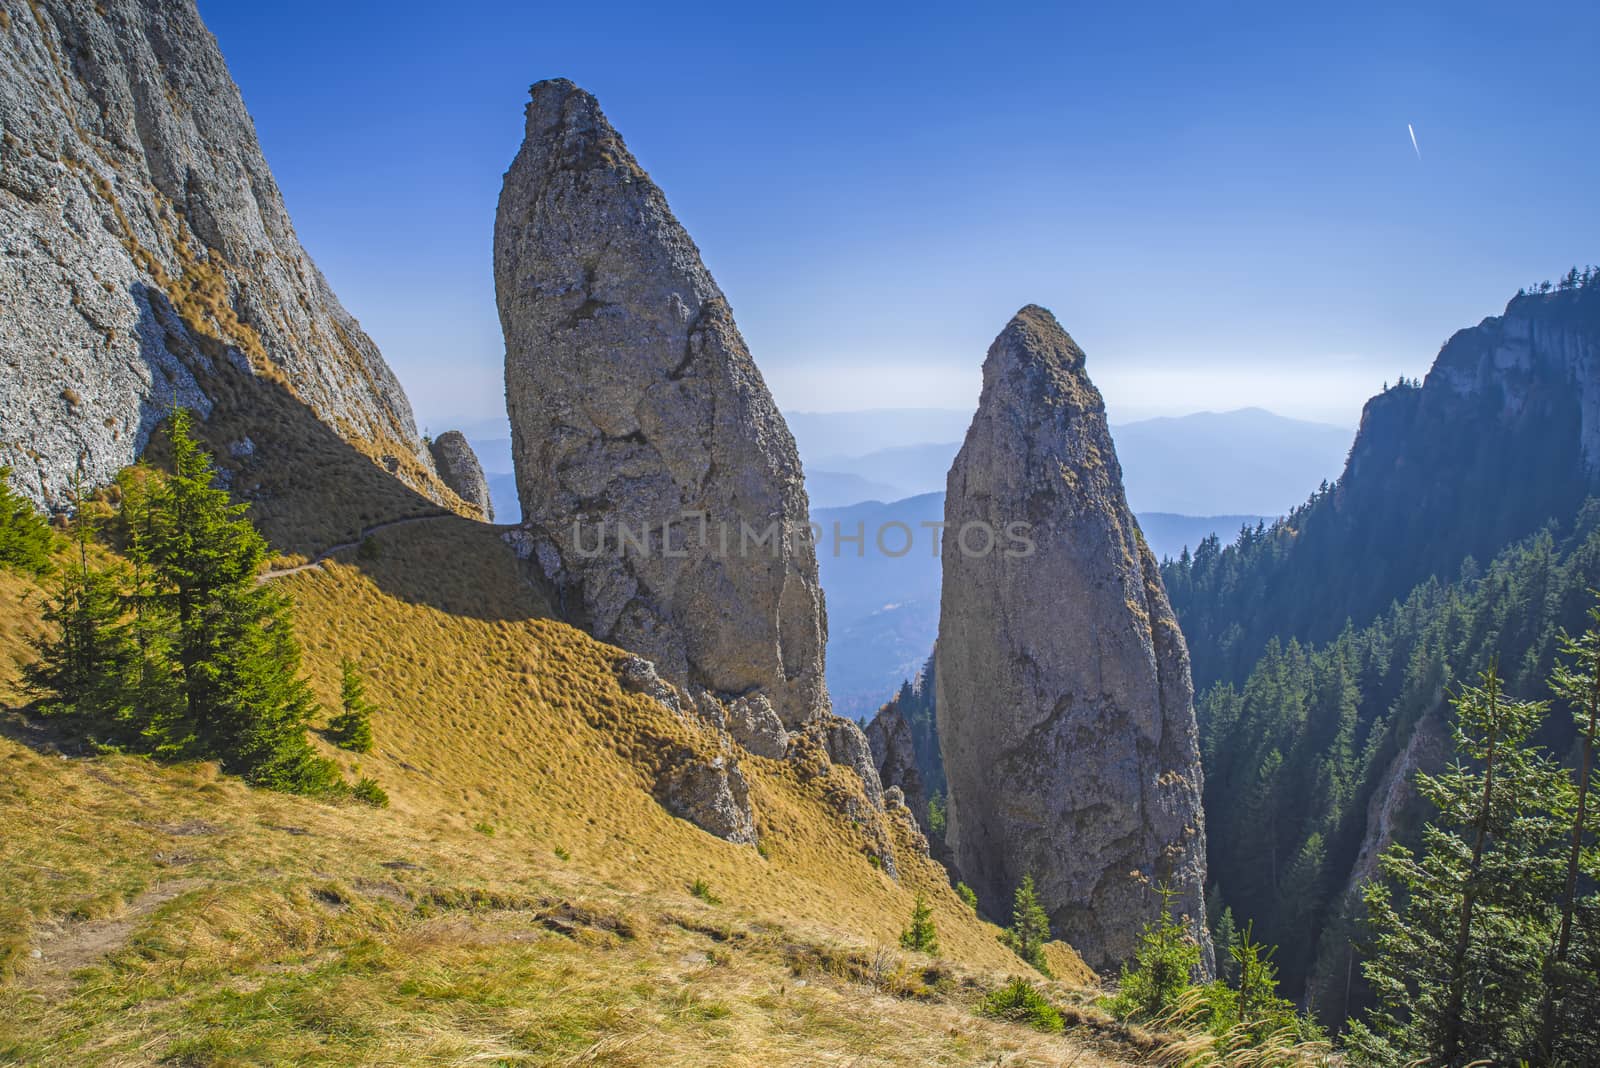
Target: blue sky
[[1221, 203]]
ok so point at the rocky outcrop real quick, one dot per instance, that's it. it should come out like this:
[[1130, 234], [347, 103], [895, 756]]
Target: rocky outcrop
[[646, 444], [754, 724], [703, 784], [145, 244], [712, 795], [1499, 439], [458, 467], [1395, 811], [894, 755], [1064, 704], [847, 747]]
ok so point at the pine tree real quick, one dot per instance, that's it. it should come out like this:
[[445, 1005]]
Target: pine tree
[[1163, 965], [921, 936], [1225, 936], [151, 624], [83, 668], [237, 661], [25, 538], [1572, 992], [1456, 965], [1030, 926], [936, 814], [352, 728], [1259, 1006]]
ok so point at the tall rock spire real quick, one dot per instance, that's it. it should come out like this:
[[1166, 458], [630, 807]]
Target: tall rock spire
[[1065, 707], [647, 447]]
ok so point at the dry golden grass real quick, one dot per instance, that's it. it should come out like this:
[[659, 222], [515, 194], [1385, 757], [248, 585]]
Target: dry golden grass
[[525, 900]]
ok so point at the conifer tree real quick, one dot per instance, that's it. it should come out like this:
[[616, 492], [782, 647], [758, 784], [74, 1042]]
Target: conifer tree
[[150, 622], [1163, 965], [1572, 991], [936, 814], [25, 538], [1260, 1008], [920, 935], [1456, 964], [237, 661], [1225, 936], [83, 666], [1030, 926], [352, 728]]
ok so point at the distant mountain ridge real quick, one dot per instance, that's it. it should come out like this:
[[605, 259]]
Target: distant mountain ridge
[[1248, 461], [883, 611]]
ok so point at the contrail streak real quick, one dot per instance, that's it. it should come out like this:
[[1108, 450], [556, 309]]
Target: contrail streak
[[1413, 134]]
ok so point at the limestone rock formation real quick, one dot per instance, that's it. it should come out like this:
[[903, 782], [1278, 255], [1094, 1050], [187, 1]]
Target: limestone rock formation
[[646, 444], [1064, 703], [754, 724], [893, 753], [458, 467], [712, 795], [706, 788], [145, 243]]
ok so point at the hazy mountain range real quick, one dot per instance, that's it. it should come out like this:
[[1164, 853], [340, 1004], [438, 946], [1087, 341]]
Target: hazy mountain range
[[1246, 462], [883, 611]]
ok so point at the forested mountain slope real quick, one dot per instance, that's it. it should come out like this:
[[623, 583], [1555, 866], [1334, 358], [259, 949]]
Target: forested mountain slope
[[1501, 437], [1309, 761]]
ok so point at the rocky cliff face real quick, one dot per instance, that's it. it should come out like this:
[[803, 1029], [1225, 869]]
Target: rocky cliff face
[[889, 736], [146, 244], [1064, 703], [458, 466], [647, 447]]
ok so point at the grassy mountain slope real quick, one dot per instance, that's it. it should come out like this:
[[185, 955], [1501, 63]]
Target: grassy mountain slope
[[523, 900]]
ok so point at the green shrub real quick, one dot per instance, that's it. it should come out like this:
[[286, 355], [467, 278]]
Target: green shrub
[[967, 894], [920, 936], [1163, 965], [352, 728], [562, 854], [484, 828], [1021, 1002], [702, 890], [368, 792]]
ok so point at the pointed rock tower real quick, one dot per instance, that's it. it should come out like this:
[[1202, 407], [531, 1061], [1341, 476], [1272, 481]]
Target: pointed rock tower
[[1065, 708], [647, 448]]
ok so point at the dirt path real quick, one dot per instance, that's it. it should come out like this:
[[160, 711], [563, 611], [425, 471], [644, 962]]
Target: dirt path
[[345, 546], [66, 948]]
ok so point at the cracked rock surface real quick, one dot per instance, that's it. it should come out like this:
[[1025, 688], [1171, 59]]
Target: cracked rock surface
[[1064, 701], [645, 441], [143, 243]]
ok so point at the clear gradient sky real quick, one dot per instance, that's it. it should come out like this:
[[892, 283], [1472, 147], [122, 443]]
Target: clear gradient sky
[[1220, 202]]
